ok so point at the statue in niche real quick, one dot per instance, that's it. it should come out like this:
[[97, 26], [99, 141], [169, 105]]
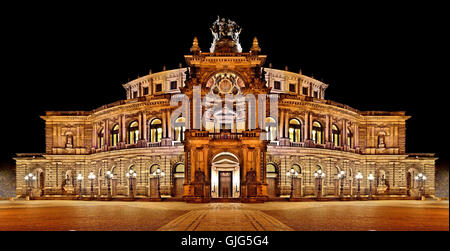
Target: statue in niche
[[381, 141], [69, 141]]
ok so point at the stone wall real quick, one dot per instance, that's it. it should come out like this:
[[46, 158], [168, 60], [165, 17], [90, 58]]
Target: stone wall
[[442, 169], [7, 180]]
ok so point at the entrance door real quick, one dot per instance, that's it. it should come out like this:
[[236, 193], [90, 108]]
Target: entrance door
[[179, 187], [225, 188]]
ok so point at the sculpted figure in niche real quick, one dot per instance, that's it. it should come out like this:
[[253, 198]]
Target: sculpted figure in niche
[[69, 141], [381, 141]]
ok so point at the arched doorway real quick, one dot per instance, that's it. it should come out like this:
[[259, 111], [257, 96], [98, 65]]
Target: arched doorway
[[178, 180], [225, 178]]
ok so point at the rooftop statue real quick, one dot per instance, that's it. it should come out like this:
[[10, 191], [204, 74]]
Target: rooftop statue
[[226, 36]]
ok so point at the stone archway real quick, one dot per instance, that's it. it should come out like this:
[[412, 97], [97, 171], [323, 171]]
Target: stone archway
[[225, 176]]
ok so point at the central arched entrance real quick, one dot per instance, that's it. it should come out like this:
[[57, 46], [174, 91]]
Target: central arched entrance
[[225, 178]]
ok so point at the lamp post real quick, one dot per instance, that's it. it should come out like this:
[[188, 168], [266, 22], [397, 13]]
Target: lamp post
[[319, 176], [29, 181], [359, 177], [80, 179], [293, 174], [341, 176], [91, 177], [158, 173], [421, 179], [131, 175], [371, 178], [108, 177]]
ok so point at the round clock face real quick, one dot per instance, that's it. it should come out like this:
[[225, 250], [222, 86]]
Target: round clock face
[[225, 86]]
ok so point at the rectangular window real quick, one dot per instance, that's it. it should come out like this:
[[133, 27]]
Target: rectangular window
[[158, 88], [173, 85], [305, 91], [316, 94], [134, 95], [292, 87], [277, 85], [145, 90]]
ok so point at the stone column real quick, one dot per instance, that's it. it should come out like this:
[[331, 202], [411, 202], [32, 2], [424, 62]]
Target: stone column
[[286, 124], [164, 128], [123, 132], [306, 127], [140, 126], [106, 135], [281, 124], [144, 124], [169, 124]]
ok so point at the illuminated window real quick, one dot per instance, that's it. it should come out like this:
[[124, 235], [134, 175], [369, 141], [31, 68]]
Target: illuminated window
[[297, 168], [179, 168], [336, 136], [317, 133], [295, 129], [271, 168], [115, 136], [349, 138], [101, 138], [133, 133], [271, 129], [155, 131], [180, 127]]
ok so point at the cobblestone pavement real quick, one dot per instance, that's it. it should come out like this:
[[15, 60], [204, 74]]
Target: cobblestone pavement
[[275, 216]]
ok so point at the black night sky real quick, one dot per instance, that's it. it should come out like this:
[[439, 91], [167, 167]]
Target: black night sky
[[76, 57]]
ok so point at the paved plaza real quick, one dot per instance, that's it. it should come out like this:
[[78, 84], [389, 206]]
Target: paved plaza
[[180, 216]]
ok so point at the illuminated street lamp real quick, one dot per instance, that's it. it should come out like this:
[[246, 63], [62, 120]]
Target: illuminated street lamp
[[359, 177], [319, 176], [341, 176], [80, 179], [158, 173], [91, 177], [29, 182], [109, 177], [421, 179], [293, 174], [131, 175], [371, 178]]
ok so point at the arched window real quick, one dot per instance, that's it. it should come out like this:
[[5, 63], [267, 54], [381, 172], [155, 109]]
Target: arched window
[[271, 168], [153, 169], [317, 133], [133, 133], [101, 138], [179, 168], [335, 135], [155, 130], [295, 129], [349, 138], [297, 168], [180, 127], [271, 129], [115, 136]]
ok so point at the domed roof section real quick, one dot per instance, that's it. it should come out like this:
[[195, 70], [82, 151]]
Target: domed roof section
[[226, 36]]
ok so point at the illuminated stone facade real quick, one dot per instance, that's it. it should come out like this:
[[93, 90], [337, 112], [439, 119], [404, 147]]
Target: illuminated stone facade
[[214, 161]]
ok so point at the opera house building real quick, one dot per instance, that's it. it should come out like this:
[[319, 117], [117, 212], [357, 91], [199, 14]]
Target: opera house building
[[225, 128]]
